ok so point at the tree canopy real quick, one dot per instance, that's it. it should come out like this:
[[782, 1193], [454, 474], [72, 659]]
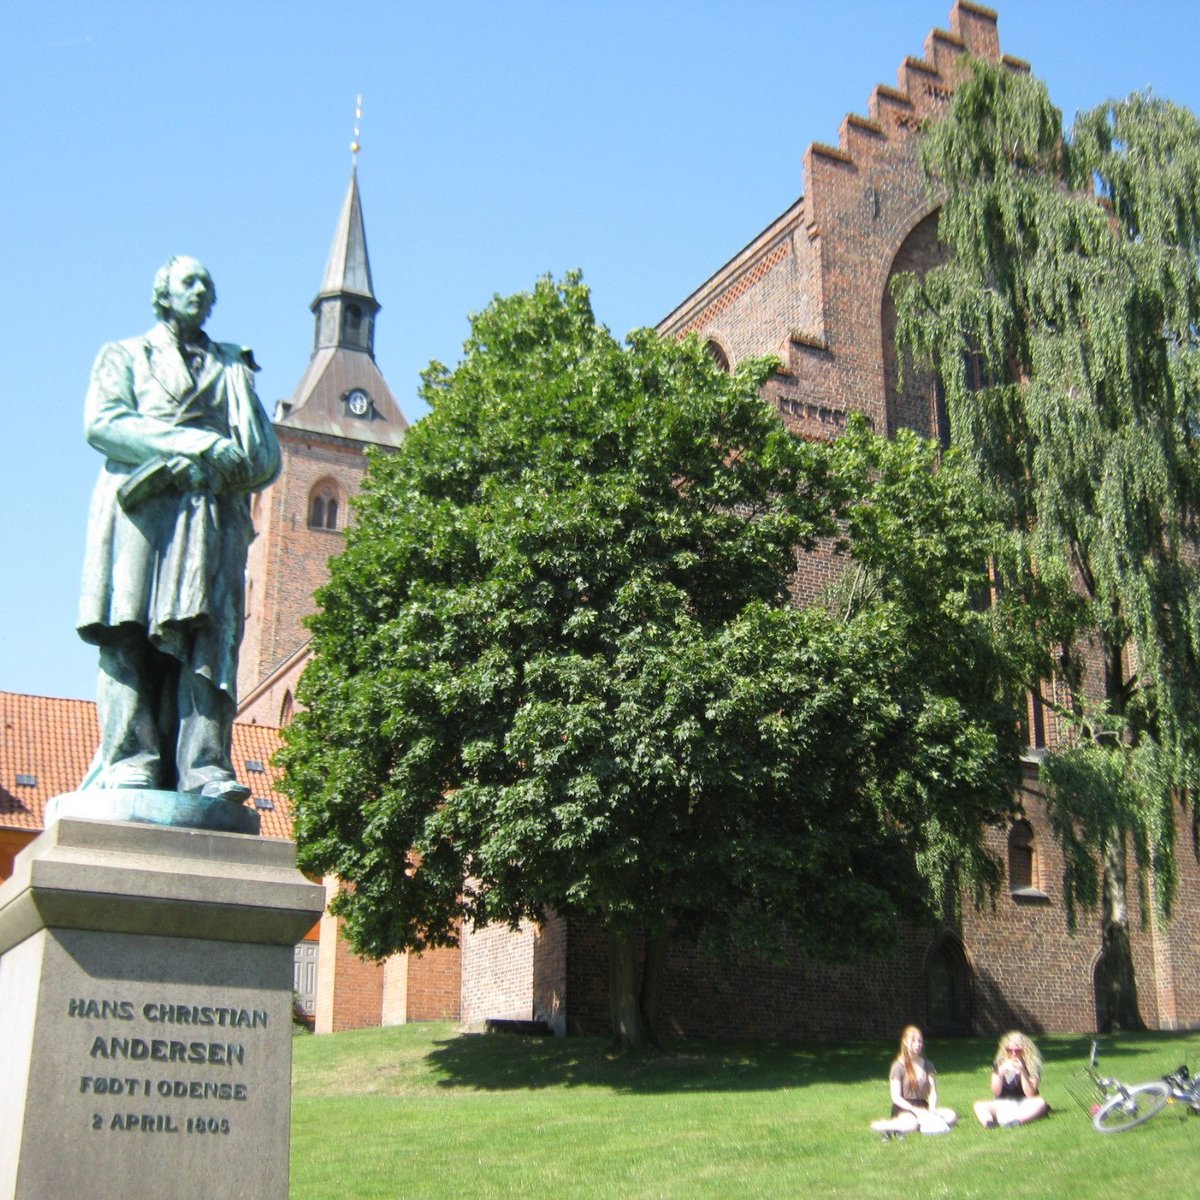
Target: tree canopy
[[559, 669], [1064, 326]]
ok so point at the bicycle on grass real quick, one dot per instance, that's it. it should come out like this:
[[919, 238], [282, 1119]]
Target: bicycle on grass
[[1115, 1106]]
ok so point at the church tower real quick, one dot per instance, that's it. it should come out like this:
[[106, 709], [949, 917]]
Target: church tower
[[341, 405]]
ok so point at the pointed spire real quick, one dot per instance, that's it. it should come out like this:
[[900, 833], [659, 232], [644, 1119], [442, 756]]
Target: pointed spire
[[345, 306], [343, 394], [348, 269]]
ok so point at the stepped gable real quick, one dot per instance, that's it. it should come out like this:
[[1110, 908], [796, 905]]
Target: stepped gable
[[811, 288], [923, 88], [46, 746]]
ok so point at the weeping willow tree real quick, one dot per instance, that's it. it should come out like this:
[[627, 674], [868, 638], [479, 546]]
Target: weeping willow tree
[[1064, 326]]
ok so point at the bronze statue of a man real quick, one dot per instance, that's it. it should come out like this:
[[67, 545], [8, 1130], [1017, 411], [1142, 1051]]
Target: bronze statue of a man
[[186, 441]]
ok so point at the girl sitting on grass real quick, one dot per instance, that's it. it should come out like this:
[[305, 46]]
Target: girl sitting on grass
[[913, 1082], [1016, 1076]]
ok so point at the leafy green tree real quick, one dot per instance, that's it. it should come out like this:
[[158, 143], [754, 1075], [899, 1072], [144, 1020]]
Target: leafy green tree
[[1072, 278], [558, 668]]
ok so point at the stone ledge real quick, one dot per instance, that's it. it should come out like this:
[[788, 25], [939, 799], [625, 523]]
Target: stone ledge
[[126, 877]]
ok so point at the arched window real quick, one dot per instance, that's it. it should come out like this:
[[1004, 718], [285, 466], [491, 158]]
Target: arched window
[[356, 326], [324, 508], [1022, 859], [287, 709], [717, 352], [921, 403], [948, 987]]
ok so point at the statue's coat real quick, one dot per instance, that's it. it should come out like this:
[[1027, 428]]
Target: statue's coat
[[173, 565]]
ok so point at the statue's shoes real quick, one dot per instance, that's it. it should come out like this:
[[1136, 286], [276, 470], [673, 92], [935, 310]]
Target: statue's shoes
[[225, 789]]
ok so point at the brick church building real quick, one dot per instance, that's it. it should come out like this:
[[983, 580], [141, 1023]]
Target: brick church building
[[811, 289]]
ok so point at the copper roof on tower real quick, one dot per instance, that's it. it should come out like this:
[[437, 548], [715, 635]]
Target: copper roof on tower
[[348, 269], [343, 368]]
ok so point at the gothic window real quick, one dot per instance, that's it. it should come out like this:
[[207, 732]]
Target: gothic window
[[286, 709], [1033, 723], [324, 508], [919, 404], [948, 987], [1022, 859], [975, 370], [941, 415], [717, 352]]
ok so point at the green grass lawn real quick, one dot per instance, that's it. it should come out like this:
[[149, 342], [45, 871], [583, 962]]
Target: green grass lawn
[[420, 1110]]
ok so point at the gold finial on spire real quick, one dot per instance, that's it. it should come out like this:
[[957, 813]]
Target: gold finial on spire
[[356, 145]]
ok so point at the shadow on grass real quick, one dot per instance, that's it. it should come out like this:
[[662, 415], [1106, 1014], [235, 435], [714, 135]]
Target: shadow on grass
[[501, 1062]]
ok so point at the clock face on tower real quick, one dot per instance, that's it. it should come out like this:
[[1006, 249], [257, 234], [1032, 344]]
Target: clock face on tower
[[358, 402]]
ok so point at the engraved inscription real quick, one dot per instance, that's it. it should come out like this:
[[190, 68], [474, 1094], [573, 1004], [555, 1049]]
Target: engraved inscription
[[106, 1049], [160, 1050]]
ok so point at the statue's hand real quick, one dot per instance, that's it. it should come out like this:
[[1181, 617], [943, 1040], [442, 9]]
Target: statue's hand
[[187, 473], [228, 464]]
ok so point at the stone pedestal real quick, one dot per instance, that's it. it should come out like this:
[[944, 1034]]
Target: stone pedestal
[[145, 1013]]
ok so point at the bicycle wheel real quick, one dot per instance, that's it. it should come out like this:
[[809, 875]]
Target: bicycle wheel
[[1137, 1105]]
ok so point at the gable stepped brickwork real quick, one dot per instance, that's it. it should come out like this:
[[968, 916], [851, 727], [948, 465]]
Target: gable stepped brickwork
[[811, 288]]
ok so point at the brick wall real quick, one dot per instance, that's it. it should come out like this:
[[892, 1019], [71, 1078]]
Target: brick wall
[[497, 973], [394, 1009], [1177, 942], [273, 700], [744, 996], [12, 842], [288, 561], [761, 298], [418, 987], [434, 985], [1026, 968], [914, 405], [1029, 970], [349, 989], [550, 974]]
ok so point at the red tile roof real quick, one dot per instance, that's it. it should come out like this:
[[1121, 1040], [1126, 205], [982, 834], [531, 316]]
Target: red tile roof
[[46, 745]]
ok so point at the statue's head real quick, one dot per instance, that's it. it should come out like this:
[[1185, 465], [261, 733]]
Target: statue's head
[[184, 289]]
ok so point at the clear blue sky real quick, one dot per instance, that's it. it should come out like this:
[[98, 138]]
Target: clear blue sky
[[644, 141]]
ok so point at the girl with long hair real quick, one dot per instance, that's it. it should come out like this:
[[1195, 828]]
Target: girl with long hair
[[913, 1084]]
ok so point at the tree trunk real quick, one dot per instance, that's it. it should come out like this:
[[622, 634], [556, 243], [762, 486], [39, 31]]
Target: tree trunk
[[629, 987], [1116, 985]]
